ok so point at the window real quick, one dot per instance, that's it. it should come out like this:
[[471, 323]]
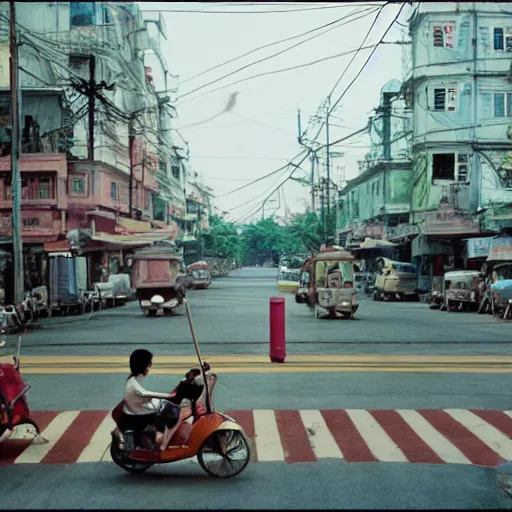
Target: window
[[114, 191], [82, 14], [450, 167], [502, 39], [445, 99], [37, 187], [443, 166], [378, 188], [498, 39], [443, 35], [503, 104], [78, 187], [176, 171]]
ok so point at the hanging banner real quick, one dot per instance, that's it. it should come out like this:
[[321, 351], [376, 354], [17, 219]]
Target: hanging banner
[[478, 247], [4, 65], [500, 249]]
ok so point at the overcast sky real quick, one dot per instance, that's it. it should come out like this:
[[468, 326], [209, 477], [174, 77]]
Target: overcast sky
[[260, 134]]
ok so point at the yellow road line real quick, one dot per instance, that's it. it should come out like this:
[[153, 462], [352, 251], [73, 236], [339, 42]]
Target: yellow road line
[[277, 369], [241, 359]]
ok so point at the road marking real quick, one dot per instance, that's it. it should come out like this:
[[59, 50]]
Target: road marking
[[321, 440], [380, 444], [268, 441], [99, 443], [35, 453], [437, 442], [490, 435]]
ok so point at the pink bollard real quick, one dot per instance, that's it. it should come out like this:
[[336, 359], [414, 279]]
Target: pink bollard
[[277, 330]]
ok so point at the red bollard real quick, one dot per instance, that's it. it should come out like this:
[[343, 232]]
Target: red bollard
[[277, 330]]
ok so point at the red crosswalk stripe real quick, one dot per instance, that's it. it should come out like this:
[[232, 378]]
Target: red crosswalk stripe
[[304, 436]]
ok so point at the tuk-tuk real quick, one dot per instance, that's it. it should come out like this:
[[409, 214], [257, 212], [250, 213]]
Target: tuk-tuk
[[288, 280], [201, 277], [436, 299], [501, 290], [158, 277], [301, 295], [332, 289], [394, 279], [461, 290]]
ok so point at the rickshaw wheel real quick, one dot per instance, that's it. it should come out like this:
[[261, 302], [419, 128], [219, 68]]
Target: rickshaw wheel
[[219, 462], [126, 463]]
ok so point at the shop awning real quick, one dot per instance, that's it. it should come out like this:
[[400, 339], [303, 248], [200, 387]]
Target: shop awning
[[139, 240], [131, 226]]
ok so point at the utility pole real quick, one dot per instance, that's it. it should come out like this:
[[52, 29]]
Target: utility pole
[[131, 148], [17, 240], [327, 154], [312, 157], [92, 104]]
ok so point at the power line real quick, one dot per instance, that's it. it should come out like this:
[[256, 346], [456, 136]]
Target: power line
[[339, 6], [271, 44], [282, 70], [360, 70], [261, 178], [360, 46], [275, 189]]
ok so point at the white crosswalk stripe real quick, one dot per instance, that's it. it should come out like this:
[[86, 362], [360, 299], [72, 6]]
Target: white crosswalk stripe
[[490, 435], [321, 440], [437, 442], [97, 449], [36, 452], [454, 436], [268, 442], [380, 444]]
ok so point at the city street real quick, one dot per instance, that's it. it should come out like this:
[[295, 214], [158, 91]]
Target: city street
[[403, 407]]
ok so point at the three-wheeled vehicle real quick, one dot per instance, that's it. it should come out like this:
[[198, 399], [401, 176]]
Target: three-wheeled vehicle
[[217, 440], [501, 290], [158, 277], [288, 280], [394, 279], [461, 290], [14, 410], [332, 289], [436, 299], [301, 295], [201, 277]]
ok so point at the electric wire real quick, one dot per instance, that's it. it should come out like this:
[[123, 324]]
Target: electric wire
[[261, 177], [339, 6], [267, 46], [336, 24], [282, 70]]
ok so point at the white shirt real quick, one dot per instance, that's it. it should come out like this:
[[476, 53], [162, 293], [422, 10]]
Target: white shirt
[[138, 399]]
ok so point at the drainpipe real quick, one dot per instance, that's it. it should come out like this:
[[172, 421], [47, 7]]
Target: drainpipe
[[474, 104]]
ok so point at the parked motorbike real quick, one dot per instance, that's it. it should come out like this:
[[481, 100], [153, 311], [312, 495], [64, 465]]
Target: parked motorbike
[[217, 440], [17, 318], [14, 409]]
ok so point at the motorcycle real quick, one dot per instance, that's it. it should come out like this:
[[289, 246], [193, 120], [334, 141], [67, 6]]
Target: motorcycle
[[213, 437], [14, 410]]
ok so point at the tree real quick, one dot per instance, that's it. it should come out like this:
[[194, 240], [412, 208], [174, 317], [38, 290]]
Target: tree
[[221, 240]]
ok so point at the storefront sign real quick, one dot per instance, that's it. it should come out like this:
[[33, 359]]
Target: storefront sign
[[448, 221], [402, 231], [500, 249], [30, 221], [478, 247]]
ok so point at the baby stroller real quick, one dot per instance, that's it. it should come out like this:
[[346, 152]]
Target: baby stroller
[[14, 409]]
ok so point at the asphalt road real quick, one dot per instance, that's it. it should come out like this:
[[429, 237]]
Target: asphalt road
[[231, 317], [395, 359]]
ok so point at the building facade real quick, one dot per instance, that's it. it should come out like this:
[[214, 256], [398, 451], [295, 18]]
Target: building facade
[[98, 153], [458, 138]]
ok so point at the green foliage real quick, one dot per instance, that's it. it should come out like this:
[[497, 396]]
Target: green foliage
[[221, 240], [259, 242]]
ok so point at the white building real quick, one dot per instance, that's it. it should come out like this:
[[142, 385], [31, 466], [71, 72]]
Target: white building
[[461, 93]]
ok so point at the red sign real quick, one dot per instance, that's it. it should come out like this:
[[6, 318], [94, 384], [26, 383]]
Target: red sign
[[31, 221]]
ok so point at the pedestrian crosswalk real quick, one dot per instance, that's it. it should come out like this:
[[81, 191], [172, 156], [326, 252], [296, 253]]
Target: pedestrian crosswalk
[[433, 436]]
